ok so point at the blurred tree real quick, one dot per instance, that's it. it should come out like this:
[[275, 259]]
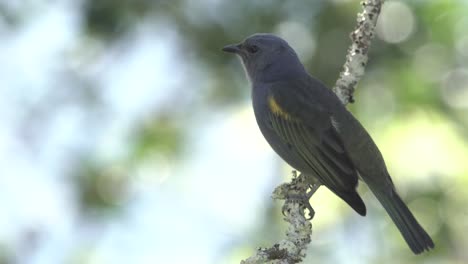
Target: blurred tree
[[413, 97]]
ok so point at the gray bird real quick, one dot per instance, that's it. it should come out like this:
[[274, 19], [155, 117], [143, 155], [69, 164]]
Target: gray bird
[[307, 125]]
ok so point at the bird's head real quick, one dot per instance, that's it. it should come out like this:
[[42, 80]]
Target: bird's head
[[267, 58]]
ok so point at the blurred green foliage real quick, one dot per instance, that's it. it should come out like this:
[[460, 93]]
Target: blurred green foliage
[[206, 26], [402, 79], [161, 135], [101, 188]]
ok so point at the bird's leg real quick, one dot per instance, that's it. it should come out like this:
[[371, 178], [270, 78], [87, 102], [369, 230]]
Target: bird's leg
[[313, 188], [297, 192]]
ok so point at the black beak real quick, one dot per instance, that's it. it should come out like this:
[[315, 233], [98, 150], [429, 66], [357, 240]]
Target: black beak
[[233, 48]]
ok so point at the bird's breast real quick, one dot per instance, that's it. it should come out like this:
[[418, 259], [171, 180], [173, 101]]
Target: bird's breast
[[264, 106]]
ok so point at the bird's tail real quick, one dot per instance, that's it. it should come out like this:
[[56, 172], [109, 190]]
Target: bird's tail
[[415, 236]]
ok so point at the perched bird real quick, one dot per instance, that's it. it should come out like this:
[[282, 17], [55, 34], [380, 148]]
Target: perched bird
[[307, 126]]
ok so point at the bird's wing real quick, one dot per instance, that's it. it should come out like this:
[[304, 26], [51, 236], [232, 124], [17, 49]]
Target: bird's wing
[[306, 126]]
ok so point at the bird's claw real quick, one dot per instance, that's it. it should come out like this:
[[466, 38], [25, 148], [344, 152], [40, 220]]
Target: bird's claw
[[303, 200]]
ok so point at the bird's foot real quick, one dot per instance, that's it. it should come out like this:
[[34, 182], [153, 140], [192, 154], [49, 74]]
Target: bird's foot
[[302, 199], [298, 191]]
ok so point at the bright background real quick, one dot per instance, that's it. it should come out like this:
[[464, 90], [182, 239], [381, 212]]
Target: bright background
[[127, 136]]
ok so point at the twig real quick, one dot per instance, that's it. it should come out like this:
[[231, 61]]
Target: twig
[[356, 58], [292, 249]]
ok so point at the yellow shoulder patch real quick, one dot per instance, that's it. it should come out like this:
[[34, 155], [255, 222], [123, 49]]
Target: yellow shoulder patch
[[276, 109]]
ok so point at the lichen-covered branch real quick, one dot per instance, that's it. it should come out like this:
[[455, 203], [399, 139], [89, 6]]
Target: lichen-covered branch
[[292, 249], [356, 58]]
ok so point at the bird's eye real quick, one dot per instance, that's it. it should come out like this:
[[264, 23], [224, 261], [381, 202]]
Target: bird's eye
[[252, 48]]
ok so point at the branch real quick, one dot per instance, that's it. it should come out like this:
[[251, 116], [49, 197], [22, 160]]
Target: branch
[[356, 58], [292, 249]]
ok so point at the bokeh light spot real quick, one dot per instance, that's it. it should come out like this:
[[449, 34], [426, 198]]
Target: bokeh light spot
[[455, 88], [431, 62], [396, 22], [299, 37]]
